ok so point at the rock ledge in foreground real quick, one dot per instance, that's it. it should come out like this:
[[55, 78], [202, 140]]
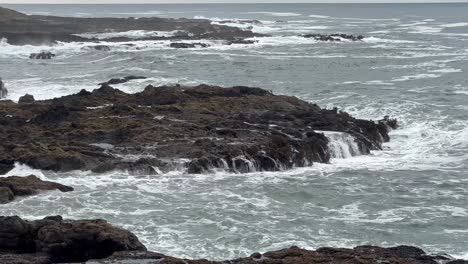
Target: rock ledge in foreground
[[54, 240]]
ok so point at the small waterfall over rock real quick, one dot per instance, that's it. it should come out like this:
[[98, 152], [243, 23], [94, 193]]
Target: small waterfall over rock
[[342, 145]]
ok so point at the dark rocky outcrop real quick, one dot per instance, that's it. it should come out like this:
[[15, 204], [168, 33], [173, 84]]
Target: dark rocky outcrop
[[199, 128], [54, 240], [296, 255], [13, 186], [42, 55], [21, 29], [122, 80], [3, 89], [26, 99], [334, 37], [181, 45]]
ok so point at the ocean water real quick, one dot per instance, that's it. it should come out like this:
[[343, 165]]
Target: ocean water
[[412, 65]]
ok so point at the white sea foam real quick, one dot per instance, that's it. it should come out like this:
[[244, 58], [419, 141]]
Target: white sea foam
[[319, 16], [278, 14], [342, 145], [381, 40], [452, 25]]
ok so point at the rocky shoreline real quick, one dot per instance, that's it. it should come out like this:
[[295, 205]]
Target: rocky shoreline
[[21, 29], [197, 129], [55, 240]]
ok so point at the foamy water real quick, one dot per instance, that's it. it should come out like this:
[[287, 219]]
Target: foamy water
[[412, 65]]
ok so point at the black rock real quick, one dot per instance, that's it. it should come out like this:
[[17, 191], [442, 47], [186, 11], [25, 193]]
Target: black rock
[[42, 55], [26, 99]]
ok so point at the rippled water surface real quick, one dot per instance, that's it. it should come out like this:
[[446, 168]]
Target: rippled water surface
[[412, 65]]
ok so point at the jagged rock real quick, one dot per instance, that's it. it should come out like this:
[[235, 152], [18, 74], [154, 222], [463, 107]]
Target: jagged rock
[[26, 99], [122, 80], [200, 128], [54, 240], [334, 37], [3, 89], [42, 55], [22, 186], [180, 45]]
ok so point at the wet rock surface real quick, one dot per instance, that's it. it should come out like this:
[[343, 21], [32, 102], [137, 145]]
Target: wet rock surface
[[13, 186], [20, 29], [334, 37], [198, 129], [54, 240], [3, 89]]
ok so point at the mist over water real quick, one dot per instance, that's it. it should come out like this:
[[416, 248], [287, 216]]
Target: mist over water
[[412, 65]]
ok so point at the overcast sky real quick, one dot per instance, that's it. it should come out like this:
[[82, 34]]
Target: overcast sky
[[216, 1]]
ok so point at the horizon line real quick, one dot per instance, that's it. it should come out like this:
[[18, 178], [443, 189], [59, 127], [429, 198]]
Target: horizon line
[[197, 3]]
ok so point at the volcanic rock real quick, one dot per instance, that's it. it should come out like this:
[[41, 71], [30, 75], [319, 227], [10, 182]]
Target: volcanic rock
[[22, 186]]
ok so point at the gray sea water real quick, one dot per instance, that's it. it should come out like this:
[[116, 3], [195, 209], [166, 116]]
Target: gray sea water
[[412, 66]]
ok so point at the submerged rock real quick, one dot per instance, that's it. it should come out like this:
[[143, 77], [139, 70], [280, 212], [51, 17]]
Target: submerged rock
[[3, 89], [122, 80], [97, 47], [42, 55], [334, 37], [181, 45], [241, 41], [13, 186], [198, 129]]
